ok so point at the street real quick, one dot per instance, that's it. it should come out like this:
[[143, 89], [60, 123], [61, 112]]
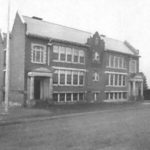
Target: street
[[123, 129]]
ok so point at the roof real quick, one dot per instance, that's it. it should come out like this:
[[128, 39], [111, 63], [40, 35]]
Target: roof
[[116, 45], [51, 30], [40, 28]]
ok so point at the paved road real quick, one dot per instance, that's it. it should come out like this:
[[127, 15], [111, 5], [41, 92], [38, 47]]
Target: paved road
[[126, 129]]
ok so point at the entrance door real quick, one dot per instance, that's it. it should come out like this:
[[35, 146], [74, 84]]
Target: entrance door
[[37, 88]]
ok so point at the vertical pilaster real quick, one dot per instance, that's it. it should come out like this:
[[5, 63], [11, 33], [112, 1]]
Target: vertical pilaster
[[50, 87], [32, 87]]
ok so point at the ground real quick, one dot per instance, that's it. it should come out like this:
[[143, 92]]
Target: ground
[[114, 129]]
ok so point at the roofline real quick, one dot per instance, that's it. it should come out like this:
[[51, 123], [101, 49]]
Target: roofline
[[121, 52], [61, 25], [57, 40]]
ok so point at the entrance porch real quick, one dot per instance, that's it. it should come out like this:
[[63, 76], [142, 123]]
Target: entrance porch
[[39, 84], [136, 88]]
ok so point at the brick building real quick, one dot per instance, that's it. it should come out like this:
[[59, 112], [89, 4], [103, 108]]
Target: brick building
[[64, 65]]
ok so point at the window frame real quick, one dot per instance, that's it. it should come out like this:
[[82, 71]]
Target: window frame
[[42, 53]]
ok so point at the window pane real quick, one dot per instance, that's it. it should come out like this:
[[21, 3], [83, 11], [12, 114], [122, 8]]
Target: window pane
[[124, 95], [62, 77], [75, 78], [116, 79], [120, 76], [68, 98], [111, 95], [55, 77], [62, 53], [81, 78], [69, 77], [76, 55], [75, 96], [69, 54], [111, 79], [62, 97]]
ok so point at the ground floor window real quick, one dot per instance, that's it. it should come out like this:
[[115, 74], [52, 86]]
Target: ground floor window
[[68, 97], [116, 95]]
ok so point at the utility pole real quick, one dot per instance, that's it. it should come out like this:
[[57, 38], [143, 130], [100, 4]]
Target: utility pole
[[7, 61]]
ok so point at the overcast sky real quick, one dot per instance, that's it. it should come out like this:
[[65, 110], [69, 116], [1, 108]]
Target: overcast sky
[[120, 19]]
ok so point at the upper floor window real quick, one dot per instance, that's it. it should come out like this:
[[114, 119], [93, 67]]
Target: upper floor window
[[116, 62], [132, 66], [69, 55], [38, 54], [96, 56], [95, 76]]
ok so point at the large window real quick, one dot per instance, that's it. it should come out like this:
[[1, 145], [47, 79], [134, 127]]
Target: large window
[[118, 95], [68, 77], [68, 97], [117, 62], [69, 55], [116, 79], [38, 54]]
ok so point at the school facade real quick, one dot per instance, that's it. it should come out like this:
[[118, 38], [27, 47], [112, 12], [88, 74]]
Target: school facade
[[65, 65]]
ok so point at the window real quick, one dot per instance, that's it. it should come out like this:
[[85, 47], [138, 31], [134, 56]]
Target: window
[[69, 77], [116, 62], [62, 97], [116, 79], [75, 78], [75, 96], [81, 56], [69, 54], [81, 78], [120, 95], [56, 52], [62, 53], [62, 77], [111, 79], [68, 97], [38, 54], [96, 56], [111, 95], [95, 76], [76, 55], [55, 77], [120, 77]]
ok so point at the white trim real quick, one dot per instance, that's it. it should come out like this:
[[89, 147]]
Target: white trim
[[66, 68], [22, 20], [114, 91], [113, 72], [40, 74]]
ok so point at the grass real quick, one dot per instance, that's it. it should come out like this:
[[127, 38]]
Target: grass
[[127, 129]]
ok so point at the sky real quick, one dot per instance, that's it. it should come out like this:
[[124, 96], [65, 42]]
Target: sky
[[119, 19]]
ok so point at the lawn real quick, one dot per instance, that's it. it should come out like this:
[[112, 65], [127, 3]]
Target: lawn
[[126, 129]]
